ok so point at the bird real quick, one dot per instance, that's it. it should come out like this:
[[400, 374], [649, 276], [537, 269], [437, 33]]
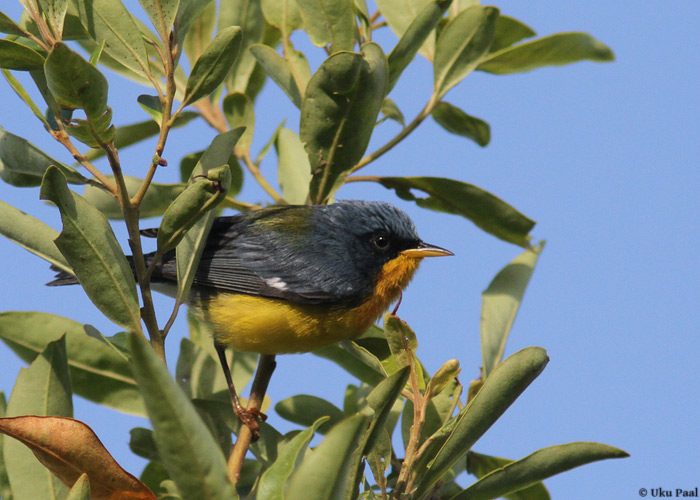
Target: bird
[[295, 278]]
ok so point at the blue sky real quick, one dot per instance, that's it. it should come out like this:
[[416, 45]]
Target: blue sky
[[604, 156]]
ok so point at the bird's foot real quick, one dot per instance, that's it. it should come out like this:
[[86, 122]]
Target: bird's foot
[[250, 418]]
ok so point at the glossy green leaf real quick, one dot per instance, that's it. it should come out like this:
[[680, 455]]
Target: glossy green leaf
[[414, 37], [94, 132], [99, 373], [294, 171], [553, 50], [55, 14], [23, 165], [329, 22], [326, 473], [508, 32], [142, 443], [153, 475], [284, 14], [19, 57], [191, 247], [488, 212], [128, 135], [8, 26], [248, 15], [304, 410], [279, 70], [457, 122], [481, 465], [499, 306], [90, 247], [274, 480], [185, 445], [401, 338], [80, 489], [239, 112], [214, 64], [500, 390], [461, 46], [74, 82], [110, 21], [162, 15], [340, 108], [42, 389], [539, 465], [399, 14]]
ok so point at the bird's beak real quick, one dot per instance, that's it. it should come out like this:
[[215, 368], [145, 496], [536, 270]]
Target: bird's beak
[[425, 250]]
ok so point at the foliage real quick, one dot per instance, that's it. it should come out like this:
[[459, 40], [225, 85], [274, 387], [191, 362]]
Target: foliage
[[63, 45]]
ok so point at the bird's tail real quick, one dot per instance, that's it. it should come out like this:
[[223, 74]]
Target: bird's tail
[[62, 278]]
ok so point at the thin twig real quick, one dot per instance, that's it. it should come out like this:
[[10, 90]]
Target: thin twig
[[255, 172], [266, 365]]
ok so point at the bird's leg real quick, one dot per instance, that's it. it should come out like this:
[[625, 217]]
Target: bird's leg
[[246, 416]]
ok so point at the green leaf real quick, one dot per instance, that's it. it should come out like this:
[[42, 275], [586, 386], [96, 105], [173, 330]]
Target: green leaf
[[399, 14], [31, 234], [414, 37], [481, 465], [508, 32], [99, 373], [8, 26], [156, 201], [273, 482], [326, 473], [340, 108], [201, 196], [162, 15], [500, 390], [80, 489], [74, 82], [19, 57], [110, 21], [214, 64], [304, 410], [19, 90], [553, 50], [136, 132], [539, 465], [462, 45], [248, 15], [196, 21], [42, 389], [284, 14], [93, 132], [488, 212], [279, 70], [55, 13], [23, 165], [500, 304], [239, 112], [90, 247], [191, 247], [381, 400], [356, 360], [329, 22], [186, 447], [151, 104], [457, 122], [294, 171], [392, 112]]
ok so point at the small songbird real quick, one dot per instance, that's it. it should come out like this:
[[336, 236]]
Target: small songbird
[[294, 278]]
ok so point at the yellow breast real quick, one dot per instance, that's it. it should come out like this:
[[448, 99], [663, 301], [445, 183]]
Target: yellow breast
[[272, 326]]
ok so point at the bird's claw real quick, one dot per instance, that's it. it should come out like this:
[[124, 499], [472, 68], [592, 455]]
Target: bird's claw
[[250, 418]]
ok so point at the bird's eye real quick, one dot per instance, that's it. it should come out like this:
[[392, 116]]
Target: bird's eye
[[381, 241]]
